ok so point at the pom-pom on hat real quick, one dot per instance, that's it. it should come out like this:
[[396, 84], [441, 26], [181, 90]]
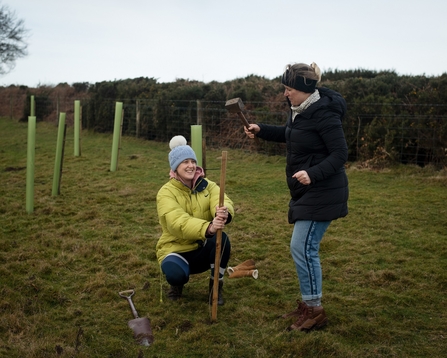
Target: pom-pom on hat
[[180, 151]]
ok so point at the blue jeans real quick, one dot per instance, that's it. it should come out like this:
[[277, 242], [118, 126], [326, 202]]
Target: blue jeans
[[304, 246]]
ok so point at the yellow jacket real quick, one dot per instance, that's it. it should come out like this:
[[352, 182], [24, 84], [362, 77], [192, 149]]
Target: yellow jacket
[[184, 214]]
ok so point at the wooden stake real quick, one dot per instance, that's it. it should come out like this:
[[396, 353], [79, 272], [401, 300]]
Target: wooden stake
[[223, 171], [137, 120]]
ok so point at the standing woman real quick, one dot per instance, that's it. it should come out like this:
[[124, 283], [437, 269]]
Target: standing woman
[[316, 154], [189, 215]]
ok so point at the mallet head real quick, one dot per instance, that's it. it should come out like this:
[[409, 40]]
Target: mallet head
[[234, 105]]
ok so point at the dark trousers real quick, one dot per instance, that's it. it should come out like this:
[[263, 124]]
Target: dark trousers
[[200, 260]]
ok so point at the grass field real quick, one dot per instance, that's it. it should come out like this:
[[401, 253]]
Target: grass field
[[62, 266]]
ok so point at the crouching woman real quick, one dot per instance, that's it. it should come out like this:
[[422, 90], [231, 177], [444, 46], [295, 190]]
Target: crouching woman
[[189, 215]]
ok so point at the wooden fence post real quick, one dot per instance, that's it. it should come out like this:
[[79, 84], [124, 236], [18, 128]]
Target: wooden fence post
[[199, 112], [137, 121]]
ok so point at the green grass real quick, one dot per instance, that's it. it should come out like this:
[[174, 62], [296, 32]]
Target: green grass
[[62, 266]]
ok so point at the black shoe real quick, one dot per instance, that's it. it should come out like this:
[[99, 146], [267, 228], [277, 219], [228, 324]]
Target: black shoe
[[175, 292], [220, 300]]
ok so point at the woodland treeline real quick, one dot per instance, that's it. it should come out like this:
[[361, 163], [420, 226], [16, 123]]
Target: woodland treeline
[[391, 118]]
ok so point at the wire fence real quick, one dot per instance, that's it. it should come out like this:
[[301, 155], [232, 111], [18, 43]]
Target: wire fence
[[409, 134]]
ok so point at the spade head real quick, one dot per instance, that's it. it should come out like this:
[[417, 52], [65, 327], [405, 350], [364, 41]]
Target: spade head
[[142, 330]]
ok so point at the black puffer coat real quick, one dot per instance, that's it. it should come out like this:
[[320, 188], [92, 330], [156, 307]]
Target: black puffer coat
[[315, 143]]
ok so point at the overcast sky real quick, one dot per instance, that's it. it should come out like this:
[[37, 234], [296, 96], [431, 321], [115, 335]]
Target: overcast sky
[[220, 40]]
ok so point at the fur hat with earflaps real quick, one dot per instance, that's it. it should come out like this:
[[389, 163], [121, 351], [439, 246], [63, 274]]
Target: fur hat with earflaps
[[180, 151]]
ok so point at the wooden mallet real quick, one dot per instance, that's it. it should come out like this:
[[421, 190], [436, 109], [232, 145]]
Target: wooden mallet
[[235, 105]]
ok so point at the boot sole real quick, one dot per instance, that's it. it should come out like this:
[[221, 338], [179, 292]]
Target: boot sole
[[315, 327]]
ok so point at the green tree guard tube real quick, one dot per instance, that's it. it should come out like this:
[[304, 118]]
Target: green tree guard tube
[[77, 126], [196, 142], [116, 136], [30, 164], [59, 151], [32, 107]]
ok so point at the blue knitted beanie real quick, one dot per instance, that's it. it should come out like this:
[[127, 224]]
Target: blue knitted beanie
[[180, 151]]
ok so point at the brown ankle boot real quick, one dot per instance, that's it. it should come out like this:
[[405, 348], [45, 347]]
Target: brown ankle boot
[[310, 318], [296, 312]]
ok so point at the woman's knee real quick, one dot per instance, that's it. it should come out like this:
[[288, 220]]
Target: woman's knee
[[176, 270]]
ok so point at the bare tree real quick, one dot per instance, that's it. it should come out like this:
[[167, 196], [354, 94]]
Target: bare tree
[[12, 39]]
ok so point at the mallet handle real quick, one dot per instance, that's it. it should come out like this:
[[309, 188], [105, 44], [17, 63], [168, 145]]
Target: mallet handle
[[243, 119], [246, 124]]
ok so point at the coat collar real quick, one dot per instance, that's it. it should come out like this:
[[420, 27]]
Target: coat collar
[[199, 183]]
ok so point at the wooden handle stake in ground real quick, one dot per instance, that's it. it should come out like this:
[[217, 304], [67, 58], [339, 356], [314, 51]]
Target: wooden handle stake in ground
[[223, 170]]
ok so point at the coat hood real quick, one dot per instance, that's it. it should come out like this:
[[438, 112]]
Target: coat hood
[[200, 173]]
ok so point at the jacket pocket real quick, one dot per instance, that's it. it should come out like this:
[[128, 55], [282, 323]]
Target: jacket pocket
[[297, 190]]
